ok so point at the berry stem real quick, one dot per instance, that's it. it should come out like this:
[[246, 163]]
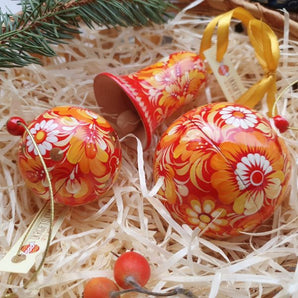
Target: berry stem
[[114, 254], [138, 289]]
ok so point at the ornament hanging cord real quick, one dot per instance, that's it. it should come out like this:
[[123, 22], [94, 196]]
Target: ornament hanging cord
[[51, 219], [279, 97]]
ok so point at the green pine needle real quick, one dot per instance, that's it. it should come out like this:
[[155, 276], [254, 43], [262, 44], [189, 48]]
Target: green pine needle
[[43, 23]]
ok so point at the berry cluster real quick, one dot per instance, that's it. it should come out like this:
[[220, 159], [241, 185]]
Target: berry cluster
[[131, 273]]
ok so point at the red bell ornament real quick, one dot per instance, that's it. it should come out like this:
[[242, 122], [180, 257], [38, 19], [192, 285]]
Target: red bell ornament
[[144, 99], [80, 149], [225, 169]]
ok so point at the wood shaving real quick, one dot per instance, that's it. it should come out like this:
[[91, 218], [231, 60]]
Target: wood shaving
[[258, 264]]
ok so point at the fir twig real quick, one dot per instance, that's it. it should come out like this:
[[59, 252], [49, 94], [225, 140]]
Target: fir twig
[[43, 23]]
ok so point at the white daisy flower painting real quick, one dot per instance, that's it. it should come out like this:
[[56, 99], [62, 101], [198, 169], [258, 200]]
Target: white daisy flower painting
[[45, 134], [238, 117]]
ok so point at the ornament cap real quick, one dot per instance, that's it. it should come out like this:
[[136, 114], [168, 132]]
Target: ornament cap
[[14, 127], [281, 123]]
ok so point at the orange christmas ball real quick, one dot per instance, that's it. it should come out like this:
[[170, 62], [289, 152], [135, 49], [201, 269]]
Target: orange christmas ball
[[81, 151], [225, 169]]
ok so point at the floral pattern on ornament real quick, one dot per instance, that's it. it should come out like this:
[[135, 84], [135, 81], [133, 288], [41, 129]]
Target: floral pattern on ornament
[[74, 187], [172, 188], [184, 159], [171, 82], [238, 117], [254, 178], [252, 170], [44, 135], [242, 170], [34, 174], [81, 151], [206, 215]]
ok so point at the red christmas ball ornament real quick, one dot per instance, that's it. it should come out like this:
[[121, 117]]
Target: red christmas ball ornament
[[225, 169], [80, 149], [281, 123]]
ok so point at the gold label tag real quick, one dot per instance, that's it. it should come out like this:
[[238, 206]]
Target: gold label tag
[[21, 260], [226, 75]]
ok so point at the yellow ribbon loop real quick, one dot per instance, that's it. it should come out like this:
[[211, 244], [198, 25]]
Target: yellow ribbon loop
[[223, 22], [266, 47]]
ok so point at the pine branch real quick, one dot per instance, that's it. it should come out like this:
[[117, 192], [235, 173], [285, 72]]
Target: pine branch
[[43, 23]]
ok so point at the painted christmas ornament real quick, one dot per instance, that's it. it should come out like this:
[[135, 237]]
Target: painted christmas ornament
[[149, 96], [81, 151], [224, 168]]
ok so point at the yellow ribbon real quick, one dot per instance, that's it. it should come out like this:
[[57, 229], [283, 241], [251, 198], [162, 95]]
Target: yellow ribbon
[[266, 47]]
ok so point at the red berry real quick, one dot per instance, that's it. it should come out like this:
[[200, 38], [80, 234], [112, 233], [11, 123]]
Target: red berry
[[131, 266], [14, 127], [99, 287], [281, 123]]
